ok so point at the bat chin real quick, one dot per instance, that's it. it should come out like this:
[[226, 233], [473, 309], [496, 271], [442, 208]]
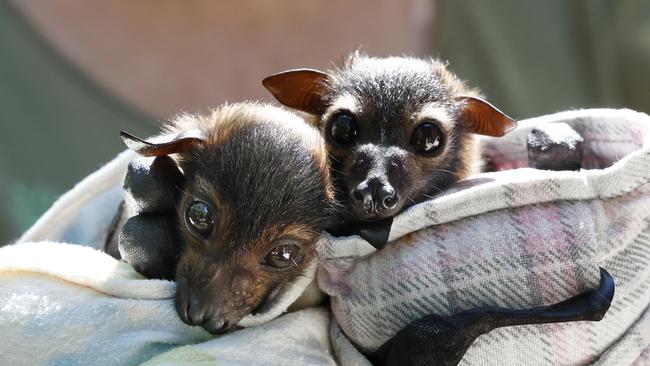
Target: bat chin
[[372, 217]]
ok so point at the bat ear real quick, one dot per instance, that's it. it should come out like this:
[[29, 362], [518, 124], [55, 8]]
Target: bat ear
[[301, 89], [481, 117], [184, 142]]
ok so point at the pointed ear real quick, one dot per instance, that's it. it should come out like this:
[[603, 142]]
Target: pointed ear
[[300, 89], [481, 117], [184, 142]]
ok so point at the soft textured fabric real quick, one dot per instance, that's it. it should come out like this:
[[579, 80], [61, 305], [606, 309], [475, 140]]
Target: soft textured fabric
[[517, 238], [299, 338], [70, 304]]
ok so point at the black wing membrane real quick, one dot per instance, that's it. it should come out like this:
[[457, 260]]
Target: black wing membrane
[[443, 340]]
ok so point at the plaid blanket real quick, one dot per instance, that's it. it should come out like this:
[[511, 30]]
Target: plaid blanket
[[516, 239]]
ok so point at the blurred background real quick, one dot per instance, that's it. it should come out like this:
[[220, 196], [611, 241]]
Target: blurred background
[[73, 73]]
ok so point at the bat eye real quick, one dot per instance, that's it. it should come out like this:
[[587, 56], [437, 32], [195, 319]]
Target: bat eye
[[284, 256], [427, 138], [200, 217], [343, 128]]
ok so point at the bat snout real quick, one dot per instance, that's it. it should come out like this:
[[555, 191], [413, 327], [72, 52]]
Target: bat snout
[[215, 308], [374, 199], [375, 176], [373, 195], [214, 317]]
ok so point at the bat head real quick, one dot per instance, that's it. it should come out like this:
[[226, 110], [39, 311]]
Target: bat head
[[398, 130], [255, 195]]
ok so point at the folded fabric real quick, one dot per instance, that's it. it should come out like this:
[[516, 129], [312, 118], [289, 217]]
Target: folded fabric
[[69, 304], [298, 338], [64, 301], [516, 238]]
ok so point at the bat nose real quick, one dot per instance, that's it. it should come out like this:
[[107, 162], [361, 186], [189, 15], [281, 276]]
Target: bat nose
[[374, 195], [362, 196], [199, 304], [196, 309], [387, 196], [214, 321]]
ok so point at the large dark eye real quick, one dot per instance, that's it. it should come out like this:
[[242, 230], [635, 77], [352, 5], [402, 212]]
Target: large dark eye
[[343, 128], [427, 138], [284, 256], [200, 217]]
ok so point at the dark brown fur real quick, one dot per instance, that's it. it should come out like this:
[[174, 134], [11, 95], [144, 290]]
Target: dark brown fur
[[263, 172]]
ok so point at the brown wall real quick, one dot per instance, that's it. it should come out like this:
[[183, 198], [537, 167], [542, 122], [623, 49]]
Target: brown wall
[[164, 56]]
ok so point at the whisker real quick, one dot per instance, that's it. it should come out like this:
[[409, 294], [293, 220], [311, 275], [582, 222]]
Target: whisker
[[339, 171], [332, 157], [314, 232], [448, 171], [439, 190], [180, 189], [429, 197]]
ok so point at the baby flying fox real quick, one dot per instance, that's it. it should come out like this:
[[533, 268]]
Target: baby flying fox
[[254, 195], [398, 129]]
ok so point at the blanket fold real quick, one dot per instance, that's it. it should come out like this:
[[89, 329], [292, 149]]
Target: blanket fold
[[69, 304]]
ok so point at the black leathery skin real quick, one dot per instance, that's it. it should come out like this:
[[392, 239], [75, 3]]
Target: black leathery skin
[[554, 146], [152, 184], [148, 244], [443, 340]]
